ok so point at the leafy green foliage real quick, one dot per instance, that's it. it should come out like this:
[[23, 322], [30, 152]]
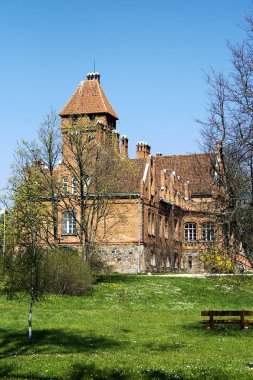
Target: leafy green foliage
[[131, 327], [23, 273], [65, 272], [55, 271]]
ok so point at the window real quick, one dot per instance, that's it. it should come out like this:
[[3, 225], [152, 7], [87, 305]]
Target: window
[[167, 262], [190, 262], [74, 185], [153, 261], [190, 231], [160, 225], [69, 223], [65, 185], [153, 224], [86, 184], [149, 222], [207, 231], [166, 228], [176, 228]]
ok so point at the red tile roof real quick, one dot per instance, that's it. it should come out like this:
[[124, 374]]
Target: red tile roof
[[89, 98], [196, 168]]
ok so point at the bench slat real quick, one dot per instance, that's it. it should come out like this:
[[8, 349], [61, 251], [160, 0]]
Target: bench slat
[[221, 313]]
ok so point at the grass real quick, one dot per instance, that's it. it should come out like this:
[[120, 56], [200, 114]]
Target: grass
[[130, 327]]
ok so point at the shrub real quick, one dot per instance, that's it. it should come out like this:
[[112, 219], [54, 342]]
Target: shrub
[[22, 272], [65, 272], [217, 260]]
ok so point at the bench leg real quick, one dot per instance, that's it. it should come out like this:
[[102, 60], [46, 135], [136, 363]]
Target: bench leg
[[243, 326]]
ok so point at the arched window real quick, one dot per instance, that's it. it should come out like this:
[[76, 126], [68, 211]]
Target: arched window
[[190, 231], [207, 231], [69, 223]]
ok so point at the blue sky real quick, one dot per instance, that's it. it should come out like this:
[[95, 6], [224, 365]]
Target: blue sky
[[151, 55]]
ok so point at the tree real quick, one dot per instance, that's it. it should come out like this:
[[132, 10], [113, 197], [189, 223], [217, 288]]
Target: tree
[[230, 121], [25, 227], [97, 174], [32, 211], [44, 154]]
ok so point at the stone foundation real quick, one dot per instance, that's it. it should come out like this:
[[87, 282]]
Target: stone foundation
[[190, 263], [131, 258], [127, 258]]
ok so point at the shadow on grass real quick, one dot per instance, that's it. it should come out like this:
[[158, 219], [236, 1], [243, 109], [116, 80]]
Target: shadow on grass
[[52, 341], [218, 329], [165, 346], [8, 372], [82, 372]]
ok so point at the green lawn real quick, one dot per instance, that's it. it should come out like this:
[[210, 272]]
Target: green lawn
[[130, 327]]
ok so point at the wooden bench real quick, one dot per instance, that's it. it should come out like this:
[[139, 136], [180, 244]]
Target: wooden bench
[[238, 314]]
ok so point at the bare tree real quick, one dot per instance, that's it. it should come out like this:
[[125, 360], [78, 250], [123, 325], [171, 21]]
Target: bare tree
[[95, 175], [44, 154], [230, 120]]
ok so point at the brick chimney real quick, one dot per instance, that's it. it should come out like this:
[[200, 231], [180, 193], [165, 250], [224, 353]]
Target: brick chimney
[[115, 140], [124, 146], [142, 149]]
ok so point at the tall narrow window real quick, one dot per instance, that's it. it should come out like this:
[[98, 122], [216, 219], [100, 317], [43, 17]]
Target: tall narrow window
[[74, 185], [190, 232], [160, 225], [153, 261], [207, 231], [149, 223], [69, 223], [153, 223], [166, 228], [176, 228], [65, 184], [86, 184]]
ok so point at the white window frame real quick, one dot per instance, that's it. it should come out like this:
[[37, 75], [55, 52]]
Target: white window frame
[[65, 184], [69, 223], [207, 231], [74, 185], [190, 231]]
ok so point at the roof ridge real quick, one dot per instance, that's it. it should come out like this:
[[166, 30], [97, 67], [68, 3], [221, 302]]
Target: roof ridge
[[182, 155], [98, 84]]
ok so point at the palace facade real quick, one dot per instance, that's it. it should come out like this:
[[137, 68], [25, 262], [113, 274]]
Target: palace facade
[[163, 217]]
